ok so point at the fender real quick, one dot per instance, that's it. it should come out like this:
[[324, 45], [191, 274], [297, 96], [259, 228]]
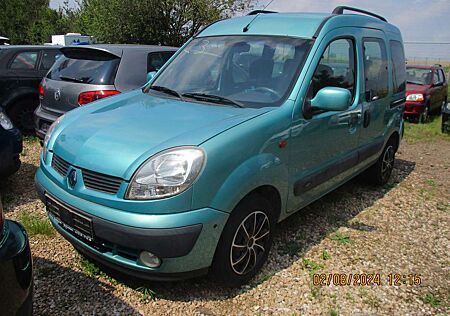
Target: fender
[[261, 170], [19, 93]]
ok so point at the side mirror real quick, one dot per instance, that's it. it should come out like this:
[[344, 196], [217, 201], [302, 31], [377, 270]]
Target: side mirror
[[151, 75], [332, 99]]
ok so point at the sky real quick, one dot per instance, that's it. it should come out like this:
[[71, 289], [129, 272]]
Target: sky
[[418, 20]]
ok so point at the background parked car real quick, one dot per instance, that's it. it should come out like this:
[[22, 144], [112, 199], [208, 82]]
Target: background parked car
[[21, 70], [426, 91], [10, 147], [88, 73], [446, 118], [16, 269]]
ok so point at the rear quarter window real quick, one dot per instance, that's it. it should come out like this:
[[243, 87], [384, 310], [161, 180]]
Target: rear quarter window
[[156, 60], [399, 67], [24, 61], [101, 71]]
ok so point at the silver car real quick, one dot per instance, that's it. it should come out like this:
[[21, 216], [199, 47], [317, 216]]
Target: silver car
[[91, 72]]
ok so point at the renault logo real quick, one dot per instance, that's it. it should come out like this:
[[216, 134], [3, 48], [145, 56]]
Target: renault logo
[[57, 95], [72, 178]]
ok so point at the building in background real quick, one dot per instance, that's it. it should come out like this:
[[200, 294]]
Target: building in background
[[72, 39], [4, 40]]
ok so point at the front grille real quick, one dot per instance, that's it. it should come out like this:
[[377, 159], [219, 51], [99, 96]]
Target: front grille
[[60, 165], [101, 182]]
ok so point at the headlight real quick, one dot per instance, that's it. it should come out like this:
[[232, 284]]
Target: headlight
[[415, 97], [166, 174], [5, 122], [51, 129]]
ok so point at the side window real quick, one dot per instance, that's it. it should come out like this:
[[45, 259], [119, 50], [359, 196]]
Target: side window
[[48, 59], [435, 77], [398, 67], [156, 60], [25, 61], [441, 76], [375, 69], [336, 68]]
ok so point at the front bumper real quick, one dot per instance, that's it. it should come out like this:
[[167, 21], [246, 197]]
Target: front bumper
[[185, 242], [16, 271], [42, 121], [10, 149], [413, 108]]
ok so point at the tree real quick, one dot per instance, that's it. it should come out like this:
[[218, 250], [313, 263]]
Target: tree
[[166, 22], [18, 16]]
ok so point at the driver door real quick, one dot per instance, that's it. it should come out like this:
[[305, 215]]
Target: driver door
[[324, 145]]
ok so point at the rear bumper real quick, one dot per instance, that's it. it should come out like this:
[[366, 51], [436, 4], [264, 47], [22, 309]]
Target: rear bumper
[[185, 242], [16, 271], [42, 121], [10, 149]]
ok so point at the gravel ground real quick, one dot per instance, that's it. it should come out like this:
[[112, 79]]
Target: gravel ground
[[402, 228]]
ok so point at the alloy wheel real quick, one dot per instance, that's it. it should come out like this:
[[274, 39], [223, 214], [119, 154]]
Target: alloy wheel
[[250, 242], [388, 162]]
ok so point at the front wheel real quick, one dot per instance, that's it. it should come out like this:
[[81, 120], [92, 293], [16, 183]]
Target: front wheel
[[425, 115], [245, 242], [21, 113]]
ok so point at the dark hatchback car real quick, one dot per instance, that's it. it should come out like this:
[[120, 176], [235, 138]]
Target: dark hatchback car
[[21, 70], [16, 269], [426, 91], [10, 147], [88, 73]]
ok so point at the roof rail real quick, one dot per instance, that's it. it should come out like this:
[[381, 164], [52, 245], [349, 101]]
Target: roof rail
[[255, 12], [340, 10]]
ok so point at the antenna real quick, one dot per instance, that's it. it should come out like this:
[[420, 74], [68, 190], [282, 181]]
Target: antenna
[[256, 13]]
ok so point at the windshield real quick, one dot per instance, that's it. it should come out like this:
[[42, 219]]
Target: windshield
[[249, 71], [420, 76]]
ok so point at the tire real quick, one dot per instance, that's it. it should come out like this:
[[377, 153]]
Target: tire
[[424, 117], [239, 255], [21, 114], [381, 171]]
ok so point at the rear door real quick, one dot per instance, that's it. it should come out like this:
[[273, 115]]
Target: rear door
[[79, 70], [376, 91]]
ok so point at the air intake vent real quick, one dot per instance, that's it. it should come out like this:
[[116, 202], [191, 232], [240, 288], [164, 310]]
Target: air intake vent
[[60, 165], [100, 182]]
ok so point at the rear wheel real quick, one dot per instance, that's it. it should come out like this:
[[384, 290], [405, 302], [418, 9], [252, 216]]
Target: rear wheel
[[245, 242], [381, 171], [21, 113]]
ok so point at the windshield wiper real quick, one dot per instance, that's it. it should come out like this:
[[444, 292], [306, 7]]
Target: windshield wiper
[[167, 91], [71, 79], [213, 98]]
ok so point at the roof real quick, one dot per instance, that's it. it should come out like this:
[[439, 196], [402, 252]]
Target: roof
[[423, 66], [21, 47], [118, 49], [304, 25]]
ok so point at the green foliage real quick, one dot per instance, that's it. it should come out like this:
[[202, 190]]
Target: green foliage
[[311, 265], [431, 299], [341, 239], [169, 22], [428, 132], [146, 293]]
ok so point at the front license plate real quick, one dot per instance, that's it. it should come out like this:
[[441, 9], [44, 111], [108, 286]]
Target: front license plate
[[70, 219]]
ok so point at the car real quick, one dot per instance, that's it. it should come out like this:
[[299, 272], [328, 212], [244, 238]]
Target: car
[[10, 147], [90, 72], [21, 70], [445, 128], [426, 91], [16, 268], [246, 124]]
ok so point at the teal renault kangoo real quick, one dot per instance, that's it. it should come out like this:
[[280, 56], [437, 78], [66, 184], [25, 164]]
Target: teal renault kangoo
[[254, 118]]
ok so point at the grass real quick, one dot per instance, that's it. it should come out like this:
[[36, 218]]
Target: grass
[[35, 225], [291, 248], [341, 239], [431, 131], [333, 312], [431, 299], [146, 293], [325, 255], [90, 268], [311, 265]]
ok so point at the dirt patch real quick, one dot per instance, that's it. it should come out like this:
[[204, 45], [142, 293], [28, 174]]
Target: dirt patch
[[402, 228]]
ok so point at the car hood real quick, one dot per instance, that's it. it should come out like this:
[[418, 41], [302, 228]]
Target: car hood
[[416, 88], [115, 136]]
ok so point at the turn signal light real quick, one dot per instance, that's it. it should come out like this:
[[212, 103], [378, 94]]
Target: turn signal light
[[41, 91], [91, 96]]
